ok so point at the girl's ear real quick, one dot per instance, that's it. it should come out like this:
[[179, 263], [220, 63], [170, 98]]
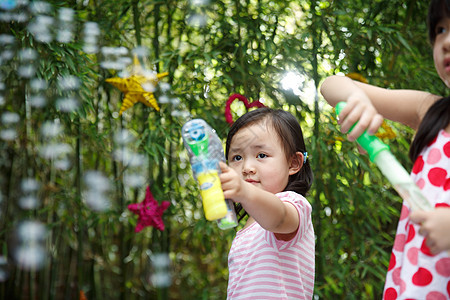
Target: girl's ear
[[296, 163]]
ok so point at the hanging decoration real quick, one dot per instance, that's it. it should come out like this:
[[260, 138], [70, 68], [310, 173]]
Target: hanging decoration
[[228, 114], [137, 87], [149, 212]]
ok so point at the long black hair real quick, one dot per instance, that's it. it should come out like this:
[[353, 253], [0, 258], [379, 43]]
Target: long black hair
[[290, 134], [436, 118], [438, 115]]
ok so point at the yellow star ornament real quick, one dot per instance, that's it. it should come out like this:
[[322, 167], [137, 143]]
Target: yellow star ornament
[[132, 87]]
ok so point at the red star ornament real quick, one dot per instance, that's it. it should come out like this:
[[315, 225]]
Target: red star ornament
[[149, 212]]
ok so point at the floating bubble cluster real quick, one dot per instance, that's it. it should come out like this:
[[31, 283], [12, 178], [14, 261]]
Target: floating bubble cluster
[[134, 163], [91, 32], [96, 193], [160, 270], [52, 149], [27, 67], [9, 121], [115, 58], [30, 252], [65, 25], [35, 96], [68, 102], [29, 198]]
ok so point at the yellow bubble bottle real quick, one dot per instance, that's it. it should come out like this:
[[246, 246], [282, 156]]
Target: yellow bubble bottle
[[212, 195], [205, 151]]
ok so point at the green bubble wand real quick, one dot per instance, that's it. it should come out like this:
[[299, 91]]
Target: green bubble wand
[[380, 154]]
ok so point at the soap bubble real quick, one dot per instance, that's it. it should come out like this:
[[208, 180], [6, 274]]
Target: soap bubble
[[51, 129], [40, 27], [10, 118], [29, 202], [134, 180], [40, 7], [140, 51], [27, 54], [123, 137], [62, 164], [91, 29], [6, 39], [31, 232], [96, 201], [29, 185], [68, 104], [68, 83], [26, 71], [163, 99], [180, 114], [37, 101], [9, 134], [6, 55], [130, 158], [98, 186], [164, 86], [97, 181], [38, 84], [31, 257], [54, 150]]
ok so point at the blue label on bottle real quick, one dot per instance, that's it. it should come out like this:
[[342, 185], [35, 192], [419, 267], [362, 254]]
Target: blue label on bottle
[[206, 185]]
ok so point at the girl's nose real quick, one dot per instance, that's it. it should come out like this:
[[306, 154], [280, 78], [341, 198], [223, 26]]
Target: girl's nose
[[248, 168], [446, 43]]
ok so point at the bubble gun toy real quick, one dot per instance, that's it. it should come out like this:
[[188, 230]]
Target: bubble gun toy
[[205, 150], [380, 154]]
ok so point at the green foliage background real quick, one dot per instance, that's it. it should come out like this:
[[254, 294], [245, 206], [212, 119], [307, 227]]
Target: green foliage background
[[244, 46]]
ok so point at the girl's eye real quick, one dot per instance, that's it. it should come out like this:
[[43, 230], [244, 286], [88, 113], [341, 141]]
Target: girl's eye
[[440, 29], [237, 158], [261, 155]]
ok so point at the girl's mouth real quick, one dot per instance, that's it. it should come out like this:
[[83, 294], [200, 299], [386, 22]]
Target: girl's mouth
[[447, 65], [251, 181]]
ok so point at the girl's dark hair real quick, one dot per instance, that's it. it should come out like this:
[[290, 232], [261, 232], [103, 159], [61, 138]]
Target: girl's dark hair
[[437, 10], [436, 118], [438, 115], [290, 134]]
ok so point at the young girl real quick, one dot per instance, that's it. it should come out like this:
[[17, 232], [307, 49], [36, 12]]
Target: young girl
[[272, 257], [414, 271]]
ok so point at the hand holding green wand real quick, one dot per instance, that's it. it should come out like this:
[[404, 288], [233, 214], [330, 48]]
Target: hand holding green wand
[[380, 154]]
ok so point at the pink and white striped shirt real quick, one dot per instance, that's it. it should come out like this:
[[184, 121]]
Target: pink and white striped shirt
[[263, 267]]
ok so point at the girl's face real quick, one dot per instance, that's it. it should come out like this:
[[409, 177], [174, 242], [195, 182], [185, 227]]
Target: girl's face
[[257, 154], [441, 50]]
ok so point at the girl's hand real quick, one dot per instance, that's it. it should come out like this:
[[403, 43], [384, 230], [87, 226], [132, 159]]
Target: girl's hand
[[232, 184], [435, 226], [359, 110]]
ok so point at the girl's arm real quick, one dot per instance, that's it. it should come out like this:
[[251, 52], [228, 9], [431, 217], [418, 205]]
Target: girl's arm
[[368, 104], [267, 209]]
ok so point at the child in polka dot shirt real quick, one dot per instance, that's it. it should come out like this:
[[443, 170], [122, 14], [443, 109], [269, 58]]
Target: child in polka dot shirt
[[419, 267]]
